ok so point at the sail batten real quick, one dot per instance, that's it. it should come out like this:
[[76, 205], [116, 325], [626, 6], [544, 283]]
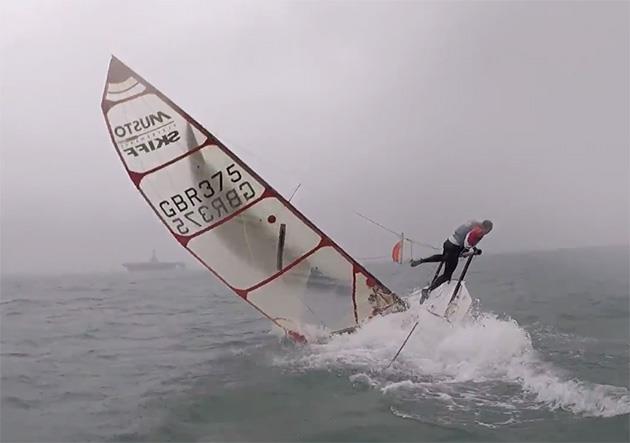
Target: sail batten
[[231, 220]]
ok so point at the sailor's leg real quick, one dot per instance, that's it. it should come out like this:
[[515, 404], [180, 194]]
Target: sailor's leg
[[437, 282], [450, 263], [433, 259], [437, 258]]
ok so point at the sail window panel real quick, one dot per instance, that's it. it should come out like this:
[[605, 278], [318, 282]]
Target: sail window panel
[[367, 296], [200, 190], [246, 249], [148, 132], [316, 292]]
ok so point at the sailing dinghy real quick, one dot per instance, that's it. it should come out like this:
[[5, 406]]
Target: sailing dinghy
[[232, 221]]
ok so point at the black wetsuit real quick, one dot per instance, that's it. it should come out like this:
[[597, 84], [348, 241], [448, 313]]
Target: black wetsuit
[[450, 257]]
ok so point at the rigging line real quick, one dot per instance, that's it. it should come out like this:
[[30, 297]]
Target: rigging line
[[238, 147], [249, 156], [397, 234], [295, 192], [380, 257], [291, 173], [377, 224]]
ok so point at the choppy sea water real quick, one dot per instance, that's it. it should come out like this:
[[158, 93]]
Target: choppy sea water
[[175, 357]]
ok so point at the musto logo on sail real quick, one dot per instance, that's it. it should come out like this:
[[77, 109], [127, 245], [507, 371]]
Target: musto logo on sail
[[146, 134], [211, 199]]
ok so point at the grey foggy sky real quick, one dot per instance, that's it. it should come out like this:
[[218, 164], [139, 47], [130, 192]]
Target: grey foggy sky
[[421, 115]]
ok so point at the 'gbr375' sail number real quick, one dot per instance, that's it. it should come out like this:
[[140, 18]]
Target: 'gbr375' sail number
[[209, 201]]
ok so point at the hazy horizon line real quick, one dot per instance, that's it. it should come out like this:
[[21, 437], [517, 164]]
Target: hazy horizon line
[[197, 267]]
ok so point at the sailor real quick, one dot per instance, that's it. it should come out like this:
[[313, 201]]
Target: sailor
[[462, 243]]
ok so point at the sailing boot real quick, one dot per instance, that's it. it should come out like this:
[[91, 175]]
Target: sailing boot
[[425, 295], [415, 263]]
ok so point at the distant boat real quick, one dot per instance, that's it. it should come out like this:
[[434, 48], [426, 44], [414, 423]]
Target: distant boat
[[153, 265]]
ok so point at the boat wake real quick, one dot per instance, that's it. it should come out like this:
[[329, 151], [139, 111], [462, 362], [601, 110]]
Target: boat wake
[[483, 364]]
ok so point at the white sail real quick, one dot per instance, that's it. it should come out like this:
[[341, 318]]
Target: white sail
[[231, 220]]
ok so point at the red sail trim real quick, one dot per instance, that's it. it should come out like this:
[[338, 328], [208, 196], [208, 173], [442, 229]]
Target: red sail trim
[[294, 335], [225, 149], [137, 177], [290, 266], [106, 104], [302, 218], [184, 240], [176, 159], [241, 292], [266, 194]]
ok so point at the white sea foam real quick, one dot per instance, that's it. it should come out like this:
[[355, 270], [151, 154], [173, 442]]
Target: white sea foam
[[485, 349]]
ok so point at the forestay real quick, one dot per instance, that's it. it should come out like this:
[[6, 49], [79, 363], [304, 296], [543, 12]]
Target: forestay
[[248, 235]]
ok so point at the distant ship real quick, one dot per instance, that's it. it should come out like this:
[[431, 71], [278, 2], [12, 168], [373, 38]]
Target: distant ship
[[153, 265]]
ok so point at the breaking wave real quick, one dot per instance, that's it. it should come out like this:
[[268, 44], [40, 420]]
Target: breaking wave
[[485, 361]]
